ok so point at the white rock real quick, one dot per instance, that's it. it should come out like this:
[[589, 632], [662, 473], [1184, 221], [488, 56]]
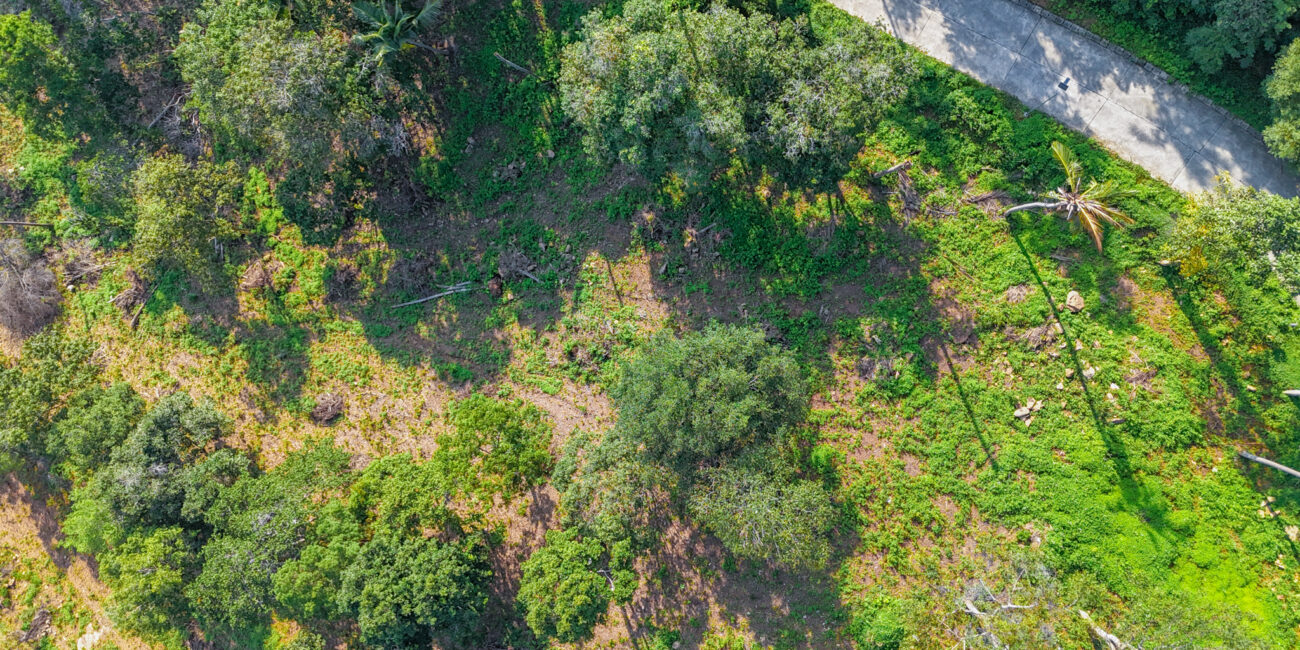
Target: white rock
[[1074, 302]]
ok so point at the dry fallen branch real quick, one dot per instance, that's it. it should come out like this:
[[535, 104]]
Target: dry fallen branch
[[1112, 642], [512, 64], [27, 224], [900, 167], [455, 288]]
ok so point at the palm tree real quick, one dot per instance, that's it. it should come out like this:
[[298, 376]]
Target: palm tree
[[393, 29], [1090, 207]]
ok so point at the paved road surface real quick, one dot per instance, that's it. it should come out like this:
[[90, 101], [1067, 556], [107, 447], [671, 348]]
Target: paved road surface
[[1008, 44]]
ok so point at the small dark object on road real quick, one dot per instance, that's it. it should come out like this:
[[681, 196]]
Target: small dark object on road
[[1064, 85]]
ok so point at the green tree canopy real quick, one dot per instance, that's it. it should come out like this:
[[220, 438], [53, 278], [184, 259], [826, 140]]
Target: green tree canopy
[[1235, 228], [405, 589], [32, 390], [182, 209], [258, 524], [562, 591], [497, 447], [608, 490], [36, 81], [688, 91], [94, 422], [708, 394], [1237, 30], [263, 87], [762, 515], [148, 573], [1283, 89], [149, 477], [307, 587]]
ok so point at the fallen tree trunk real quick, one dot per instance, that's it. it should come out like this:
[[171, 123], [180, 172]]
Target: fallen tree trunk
[[28, 224], [1268, 463]]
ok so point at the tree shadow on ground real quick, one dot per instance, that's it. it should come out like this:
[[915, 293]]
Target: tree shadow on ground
[[691, 575]]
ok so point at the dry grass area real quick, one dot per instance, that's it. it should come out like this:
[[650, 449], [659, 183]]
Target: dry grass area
[[47, 592]]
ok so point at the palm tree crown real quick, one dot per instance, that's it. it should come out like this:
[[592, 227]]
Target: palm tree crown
[[1089, 207], [393, 29]]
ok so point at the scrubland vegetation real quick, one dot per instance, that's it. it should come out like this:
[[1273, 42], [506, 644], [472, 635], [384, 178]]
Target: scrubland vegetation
[[652, 325]]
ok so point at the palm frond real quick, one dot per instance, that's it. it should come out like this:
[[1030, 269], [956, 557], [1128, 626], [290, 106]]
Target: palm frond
[[1106, 192], [1073, 170], [370, 14], [1090, 216], [429, 13]]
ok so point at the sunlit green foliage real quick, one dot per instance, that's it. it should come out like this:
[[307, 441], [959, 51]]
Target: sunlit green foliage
[[93, 423], [183, 211], [258, 524], [264, 88], [1236, 228], [565, 588], [1283, 88], [759, 513], [498, 446], [148, 573], [36, 80], [405, 589], [32, 389]]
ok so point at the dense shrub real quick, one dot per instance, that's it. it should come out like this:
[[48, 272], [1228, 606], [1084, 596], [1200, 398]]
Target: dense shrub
[[761, 515], [1283, 88], [404, 590], [258, 524], [1236, 228], [607, 490], [94, 422], [262, 87], [37, 82], [183, 210], [501, 447], [33, 388]]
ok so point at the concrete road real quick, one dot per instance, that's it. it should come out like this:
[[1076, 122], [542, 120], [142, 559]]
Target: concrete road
[[1132, 108]]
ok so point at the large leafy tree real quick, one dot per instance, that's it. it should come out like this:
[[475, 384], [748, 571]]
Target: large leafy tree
[[1235, 228], [147, 574], [1237, 30], [182, 209], [307, 586], [690, 91], [36, 81], [258, 524], [93, 423], [145, 482], [1283, 89], [707, 395], [497, 447], [265, 89], [608, 490], [568, 583], [406, 589], [33, 388]]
